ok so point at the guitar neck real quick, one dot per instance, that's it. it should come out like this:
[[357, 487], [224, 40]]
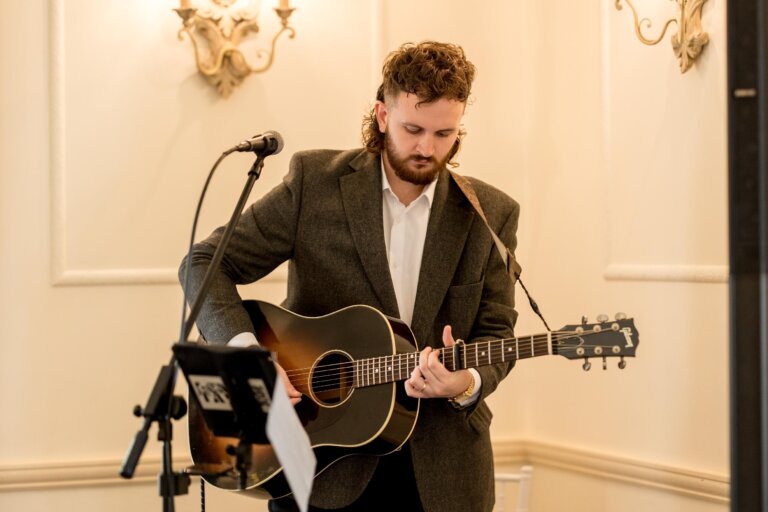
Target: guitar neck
[[381, 370]]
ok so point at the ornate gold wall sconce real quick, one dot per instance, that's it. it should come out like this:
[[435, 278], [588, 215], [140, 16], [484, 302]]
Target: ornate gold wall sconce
[[688, 42], [216, 29]]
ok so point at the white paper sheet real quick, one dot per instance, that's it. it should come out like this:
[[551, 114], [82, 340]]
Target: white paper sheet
[[291, 445]]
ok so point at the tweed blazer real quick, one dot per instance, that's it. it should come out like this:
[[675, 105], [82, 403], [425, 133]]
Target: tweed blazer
[[326, 219]]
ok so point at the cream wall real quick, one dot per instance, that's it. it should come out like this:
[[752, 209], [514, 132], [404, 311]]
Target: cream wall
[[619, 162], [628, 209]]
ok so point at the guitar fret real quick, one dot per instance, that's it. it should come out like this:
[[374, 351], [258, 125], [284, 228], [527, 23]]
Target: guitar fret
[[533, 351], [489, 352]]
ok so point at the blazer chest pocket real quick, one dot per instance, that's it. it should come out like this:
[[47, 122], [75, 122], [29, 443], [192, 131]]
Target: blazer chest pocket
[[462, 302], [470, 291]]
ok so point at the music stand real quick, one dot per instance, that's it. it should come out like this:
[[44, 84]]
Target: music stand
[[233, 389]]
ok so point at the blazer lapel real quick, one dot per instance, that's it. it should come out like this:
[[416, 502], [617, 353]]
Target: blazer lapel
[[447, 231], [362, 199]]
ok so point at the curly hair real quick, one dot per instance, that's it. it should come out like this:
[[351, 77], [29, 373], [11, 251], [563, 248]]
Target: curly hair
[[431, 71]]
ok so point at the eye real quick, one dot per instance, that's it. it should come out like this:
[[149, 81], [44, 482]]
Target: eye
[[445, 134], [412, 129]]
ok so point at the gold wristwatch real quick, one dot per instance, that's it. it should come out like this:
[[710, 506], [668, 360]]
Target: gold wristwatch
[[466, 393]]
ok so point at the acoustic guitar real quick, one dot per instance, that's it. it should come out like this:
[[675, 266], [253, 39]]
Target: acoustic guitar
[[348, 365]]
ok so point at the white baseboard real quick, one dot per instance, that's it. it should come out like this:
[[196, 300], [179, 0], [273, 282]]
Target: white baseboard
[[689, 482]]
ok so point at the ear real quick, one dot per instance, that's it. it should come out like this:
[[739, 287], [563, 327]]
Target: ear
[[381, 115]]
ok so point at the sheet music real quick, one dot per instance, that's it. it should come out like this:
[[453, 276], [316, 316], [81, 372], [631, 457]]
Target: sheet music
[[291, 445]]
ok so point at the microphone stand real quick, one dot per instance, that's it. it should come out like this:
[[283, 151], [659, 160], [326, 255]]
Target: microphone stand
[[162, 406]]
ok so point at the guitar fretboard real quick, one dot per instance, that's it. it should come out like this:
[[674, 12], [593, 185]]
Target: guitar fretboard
[[381, 370]]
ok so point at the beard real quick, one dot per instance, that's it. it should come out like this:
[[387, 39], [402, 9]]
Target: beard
[[430, 166]]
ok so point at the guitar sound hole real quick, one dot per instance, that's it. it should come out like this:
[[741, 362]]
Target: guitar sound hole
[[332, 379]]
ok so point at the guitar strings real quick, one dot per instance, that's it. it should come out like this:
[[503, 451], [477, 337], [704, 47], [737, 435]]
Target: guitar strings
[[447, 356], [539, 340], [380, 370], [334, 382]]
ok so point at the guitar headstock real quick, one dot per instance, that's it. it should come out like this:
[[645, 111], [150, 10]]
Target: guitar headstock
[[604, 338]]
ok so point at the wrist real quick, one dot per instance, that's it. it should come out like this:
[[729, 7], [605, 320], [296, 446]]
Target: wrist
[[467, 391]]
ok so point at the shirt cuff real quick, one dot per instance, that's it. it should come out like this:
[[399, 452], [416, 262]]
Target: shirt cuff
[[244, 339], [475, 391]]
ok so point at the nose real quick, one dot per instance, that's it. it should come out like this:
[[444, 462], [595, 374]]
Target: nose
[[426, 145]]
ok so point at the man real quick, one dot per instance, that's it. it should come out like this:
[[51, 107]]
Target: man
[[387, 226]]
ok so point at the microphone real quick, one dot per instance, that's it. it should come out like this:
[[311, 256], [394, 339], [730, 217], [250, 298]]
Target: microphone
[[263, 144]]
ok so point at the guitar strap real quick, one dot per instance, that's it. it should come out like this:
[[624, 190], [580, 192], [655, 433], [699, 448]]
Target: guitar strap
[[513, 267], [510, 262]]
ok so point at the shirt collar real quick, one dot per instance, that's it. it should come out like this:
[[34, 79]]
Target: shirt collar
[[428, 192]]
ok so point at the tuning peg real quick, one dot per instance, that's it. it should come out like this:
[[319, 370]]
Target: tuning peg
[[587, 365], [605, 363], [622, 363], [602, 318], [584, 320], [620, 316]]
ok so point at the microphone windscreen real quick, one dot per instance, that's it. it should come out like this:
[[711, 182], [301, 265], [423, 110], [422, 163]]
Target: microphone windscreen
[[278, 140]]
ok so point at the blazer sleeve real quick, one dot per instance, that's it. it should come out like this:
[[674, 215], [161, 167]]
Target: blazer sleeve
[[496, 316], [263, 239]]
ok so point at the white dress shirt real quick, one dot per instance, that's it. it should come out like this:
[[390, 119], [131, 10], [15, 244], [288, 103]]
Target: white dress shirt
[[405, 229]]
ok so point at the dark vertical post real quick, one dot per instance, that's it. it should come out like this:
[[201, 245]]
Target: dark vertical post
[[747, 195]]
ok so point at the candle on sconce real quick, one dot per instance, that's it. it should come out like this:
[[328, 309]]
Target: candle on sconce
[[185, 4], [284, 4]]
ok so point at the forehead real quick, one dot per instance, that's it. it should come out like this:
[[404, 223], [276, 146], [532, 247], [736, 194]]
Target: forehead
[[440, 114]]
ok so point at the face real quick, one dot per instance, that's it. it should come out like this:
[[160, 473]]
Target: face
[[418, 138]]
